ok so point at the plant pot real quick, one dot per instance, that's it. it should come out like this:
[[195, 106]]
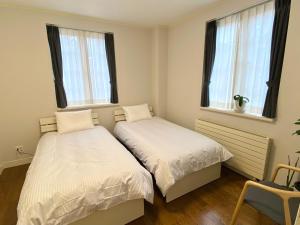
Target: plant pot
[[238, 108]]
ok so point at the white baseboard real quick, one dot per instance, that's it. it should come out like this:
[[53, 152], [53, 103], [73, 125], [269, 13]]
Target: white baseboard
[[13, 163]]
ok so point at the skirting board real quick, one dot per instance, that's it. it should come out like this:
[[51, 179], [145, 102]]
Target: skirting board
[[13, 163]]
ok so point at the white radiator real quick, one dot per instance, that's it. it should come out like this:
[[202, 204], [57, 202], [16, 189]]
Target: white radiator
[[250, 150]]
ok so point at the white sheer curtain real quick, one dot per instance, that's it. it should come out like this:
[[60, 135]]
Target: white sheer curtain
[[242, 60], [221, 86], [85, 69], [98, 67]]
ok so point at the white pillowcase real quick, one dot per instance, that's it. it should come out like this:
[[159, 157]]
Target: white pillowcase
[[74, 121], [137, 112]]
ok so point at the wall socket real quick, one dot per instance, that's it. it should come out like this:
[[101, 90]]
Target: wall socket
[[20, 149]]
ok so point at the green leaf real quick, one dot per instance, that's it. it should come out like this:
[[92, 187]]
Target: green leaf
[[236, 97], [288, 183], [293, 173], [246, 99], [241, 101], [296, 163], [296, 132]]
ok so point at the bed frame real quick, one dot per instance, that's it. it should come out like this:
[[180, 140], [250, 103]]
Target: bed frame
[[189, 182], [193, 181], [117, 215]]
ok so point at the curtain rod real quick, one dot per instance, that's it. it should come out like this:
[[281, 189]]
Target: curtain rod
[[71, 28], [239, 11]]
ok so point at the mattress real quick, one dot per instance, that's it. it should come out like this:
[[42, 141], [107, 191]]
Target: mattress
[[169, 151], [75, 174]]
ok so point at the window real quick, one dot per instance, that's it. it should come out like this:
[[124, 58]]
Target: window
[[86, 77], [242, 58]]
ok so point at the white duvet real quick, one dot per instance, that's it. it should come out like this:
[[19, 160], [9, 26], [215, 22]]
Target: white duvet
[[73, 175], [169, 151]]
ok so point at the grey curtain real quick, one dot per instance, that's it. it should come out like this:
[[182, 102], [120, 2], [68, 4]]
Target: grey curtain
[[209, 58], [110, 54], [57, 67], [280, 28]]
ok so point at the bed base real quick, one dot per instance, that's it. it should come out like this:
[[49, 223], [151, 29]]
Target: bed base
[[117, 215], [193, 181], [190, 182]]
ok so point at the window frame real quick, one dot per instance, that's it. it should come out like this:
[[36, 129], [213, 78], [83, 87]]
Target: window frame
[[88, 78], [236, 114], [232, 111], [88, 106]]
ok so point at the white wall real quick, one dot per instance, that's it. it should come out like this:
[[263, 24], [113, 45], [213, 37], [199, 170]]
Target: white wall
[[185, 61], [159, 69], [26, 84]]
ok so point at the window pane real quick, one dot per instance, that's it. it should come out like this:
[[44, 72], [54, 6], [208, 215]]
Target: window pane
[[73, 69], [242, 60], [253, 61], [85, 69], [222, 75], [98, 67]]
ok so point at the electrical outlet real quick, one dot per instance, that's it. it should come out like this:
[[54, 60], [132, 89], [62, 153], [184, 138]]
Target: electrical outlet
[[20, 149]]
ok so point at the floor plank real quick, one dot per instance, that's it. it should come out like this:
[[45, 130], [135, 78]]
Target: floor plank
[[212, 204], [11, 182]]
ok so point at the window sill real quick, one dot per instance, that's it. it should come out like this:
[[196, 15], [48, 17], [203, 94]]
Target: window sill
[[244, 115], [89, 106]]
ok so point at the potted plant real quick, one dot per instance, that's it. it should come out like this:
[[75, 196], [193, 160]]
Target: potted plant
[[297, 183], [290, 175], [240, 103]]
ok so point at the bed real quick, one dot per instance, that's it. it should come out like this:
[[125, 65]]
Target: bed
[[180, 159], [82, 178]]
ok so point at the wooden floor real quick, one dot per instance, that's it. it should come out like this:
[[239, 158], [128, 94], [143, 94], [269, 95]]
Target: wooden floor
[[212, 204]]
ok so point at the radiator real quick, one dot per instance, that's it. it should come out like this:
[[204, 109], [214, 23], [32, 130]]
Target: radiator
[[250, 150]]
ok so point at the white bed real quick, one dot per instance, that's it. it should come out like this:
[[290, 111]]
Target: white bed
[[84, 177], [181, 160]]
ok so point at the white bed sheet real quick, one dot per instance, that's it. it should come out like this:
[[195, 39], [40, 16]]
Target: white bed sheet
[[169, 151], [75, 174]]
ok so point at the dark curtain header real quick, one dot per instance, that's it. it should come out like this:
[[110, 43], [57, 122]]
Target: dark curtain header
[[209, 58], [110, 54], [57, 67], [280, 28]]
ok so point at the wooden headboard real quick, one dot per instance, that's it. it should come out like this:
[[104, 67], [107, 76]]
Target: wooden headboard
[[119, 114], [48, 124]]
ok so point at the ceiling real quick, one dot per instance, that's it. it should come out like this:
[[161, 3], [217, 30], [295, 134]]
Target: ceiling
[[140, 12]]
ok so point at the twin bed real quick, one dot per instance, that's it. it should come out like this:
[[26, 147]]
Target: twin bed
[[82, 178], [180, 159], [88, 177]]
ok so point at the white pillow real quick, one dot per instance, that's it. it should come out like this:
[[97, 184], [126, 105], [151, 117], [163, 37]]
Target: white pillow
[[74, 121], [137, 112]]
